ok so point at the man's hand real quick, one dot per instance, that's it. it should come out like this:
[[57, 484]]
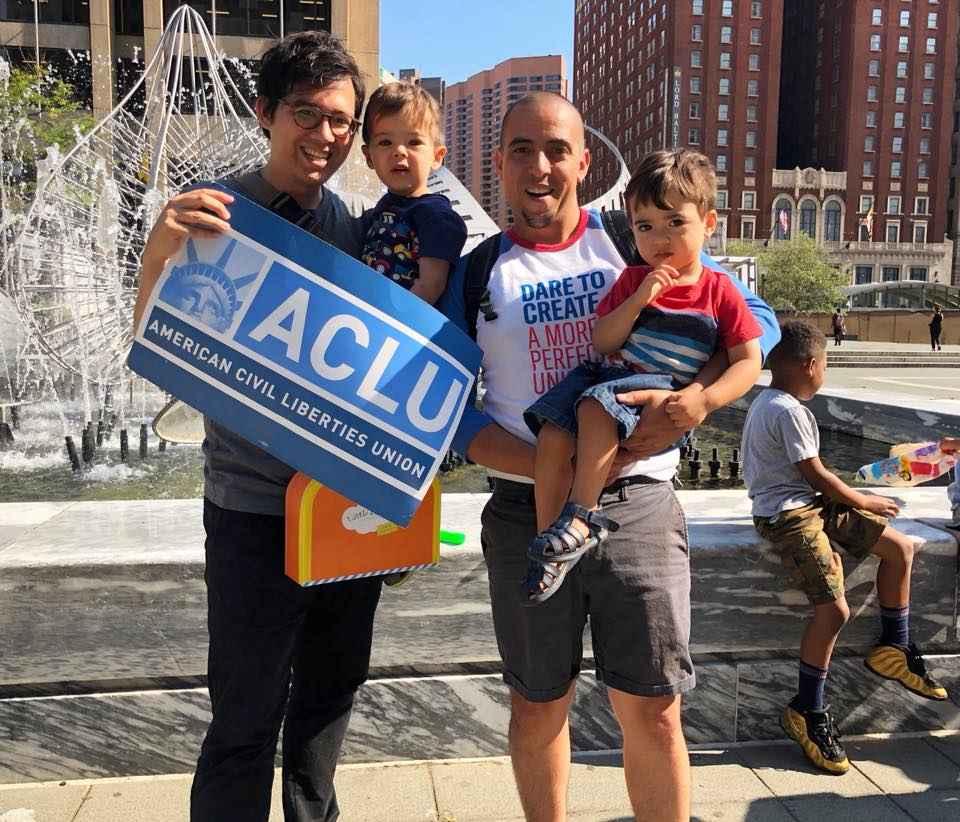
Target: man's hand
[[654, 432], [950, 445], [884, 506], [198, 213], [687, 408]]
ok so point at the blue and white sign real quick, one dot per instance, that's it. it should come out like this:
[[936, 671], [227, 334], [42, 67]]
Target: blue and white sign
[[312, 356]]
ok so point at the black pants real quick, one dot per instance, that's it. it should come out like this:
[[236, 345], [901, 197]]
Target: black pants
[[279, 653], [837, 337], [935, 339]]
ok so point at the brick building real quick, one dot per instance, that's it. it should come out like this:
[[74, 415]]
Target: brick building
[[881, 112], [473, 110], [838, 120], [697, 73]]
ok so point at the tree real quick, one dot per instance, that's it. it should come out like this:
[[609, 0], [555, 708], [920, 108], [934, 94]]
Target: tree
[[37, 110], [795, 274]]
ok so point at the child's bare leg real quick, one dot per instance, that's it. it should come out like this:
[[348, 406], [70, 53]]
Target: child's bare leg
[[552, 472], [820, 635], [895, 550], [597, 444]]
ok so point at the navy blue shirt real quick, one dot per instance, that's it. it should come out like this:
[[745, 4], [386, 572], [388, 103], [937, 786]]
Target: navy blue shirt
[[399, 231]]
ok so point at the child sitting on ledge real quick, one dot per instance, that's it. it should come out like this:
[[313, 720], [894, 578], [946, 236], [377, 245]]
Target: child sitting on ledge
[[800, 506]]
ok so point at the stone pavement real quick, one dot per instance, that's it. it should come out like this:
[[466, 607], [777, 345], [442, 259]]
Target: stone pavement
[[894, 779], [868, 345]]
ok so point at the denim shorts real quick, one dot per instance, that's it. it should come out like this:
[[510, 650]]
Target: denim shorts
[[634, 590], [601, 383]]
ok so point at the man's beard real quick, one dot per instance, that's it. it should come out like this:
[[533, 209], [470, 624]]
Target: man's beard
[[538, 220]]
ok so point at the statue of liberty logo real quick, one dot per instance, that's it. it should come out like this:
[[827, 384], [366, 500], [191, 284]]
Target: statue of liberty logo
[[206, 291]]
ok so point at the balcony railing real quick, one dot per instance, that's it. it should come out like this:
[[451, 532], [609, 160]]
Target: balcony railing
[[859, 246], [801, 178], [904, 248]]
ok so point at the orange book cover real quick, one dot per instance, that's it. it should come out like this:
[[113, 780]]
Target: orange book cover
[[330, 538]]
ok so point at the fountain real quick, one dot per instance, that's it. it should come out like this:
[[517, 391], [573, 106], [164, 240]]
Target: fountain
[[69, 276], [71, 271]]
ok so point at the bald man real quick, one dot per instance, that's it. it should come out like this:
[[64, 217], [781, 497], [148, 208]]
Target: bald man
[[554, 266]]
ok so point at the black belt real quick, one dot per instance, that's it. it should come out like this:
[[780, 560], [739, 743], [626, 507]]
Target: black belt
[[523, 491]]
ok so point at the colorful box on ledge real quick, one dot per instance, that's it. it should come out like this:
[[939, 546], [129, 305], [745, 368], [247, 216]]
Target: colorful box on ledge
[[330, 538]]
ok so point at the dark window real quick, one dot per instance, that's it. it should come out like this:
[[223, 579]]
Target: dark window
[[128, 16], [782, 219], [127, 73], [831, 222], [259, 18], [808, 218], [70, 12]]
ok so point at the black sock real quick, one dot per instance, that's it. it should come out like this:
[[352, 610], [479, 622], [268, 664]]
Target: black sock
[[812, 682], [895, 624]]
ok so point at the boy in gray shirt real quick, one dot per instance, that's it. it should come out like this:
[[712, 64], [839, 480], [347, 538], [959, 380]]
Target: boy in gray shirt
[[800, 506]]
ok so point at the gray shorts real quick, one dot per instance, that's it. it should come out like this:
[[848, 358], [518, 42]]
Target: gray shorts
[[635, 589]]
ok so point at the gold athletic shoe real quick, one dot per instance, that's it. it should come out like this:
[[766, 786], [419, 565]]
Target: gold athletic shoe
[[818, 737], [906, 666]]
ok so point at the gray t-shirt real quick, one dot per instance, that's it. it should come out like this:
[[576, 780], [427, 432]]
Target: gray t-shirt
[[238, 475], [778, 433]]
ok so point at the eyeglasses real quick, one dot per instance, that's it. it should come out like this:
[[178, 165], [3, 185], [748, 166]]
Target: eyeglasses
[[309, 117]]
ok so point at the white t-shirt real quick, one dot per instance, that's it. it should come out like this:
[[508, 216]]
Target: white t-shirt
[[778, 433], [545, 298]]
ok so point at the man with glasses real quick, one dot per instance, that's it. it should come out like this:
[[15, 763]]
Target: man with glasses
[[309, 117], [279, 653]]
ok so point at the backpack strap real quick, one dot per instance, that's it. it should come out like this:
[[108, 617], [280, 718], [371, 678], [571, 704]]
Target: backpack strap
[[480, 262], [617, 226], [476, 294], [279, 203]]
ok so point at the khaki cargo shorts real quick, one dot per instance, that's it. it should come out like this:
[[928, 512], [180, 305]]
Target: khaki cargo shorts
[[801, 537]]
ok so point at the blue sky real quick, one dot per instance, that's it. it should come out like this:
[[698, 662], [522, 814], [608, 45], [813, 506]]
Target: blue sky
[[455, 39]]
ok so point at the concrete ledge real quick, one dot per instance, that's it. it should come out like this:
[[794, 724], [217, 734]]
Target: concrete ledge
[[103, 591], [875, 415], [101, 597], [743, 601]]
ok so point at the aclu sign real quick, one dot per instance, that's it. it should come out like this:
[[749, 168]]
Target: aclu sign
[[304, 351]]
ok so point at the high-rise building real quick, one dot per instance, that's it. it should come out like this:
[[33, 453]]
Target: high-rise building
[[472, 113], [698, 73], [100, 43], [868, 97], [822, 117], [434, 86]]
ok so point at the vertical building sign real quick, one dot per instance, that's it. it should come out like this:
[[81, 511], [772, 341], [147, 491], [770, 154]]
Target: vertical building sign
[[675, 120]]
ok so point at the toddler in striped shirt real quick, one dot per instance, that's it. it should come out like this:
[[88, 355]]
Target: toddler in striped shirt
[[663, 326]]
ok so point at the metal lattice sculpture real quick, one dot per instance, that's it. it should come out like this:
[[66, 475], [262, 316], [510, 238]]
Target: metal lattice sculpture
[[74, 267], [613, 197]]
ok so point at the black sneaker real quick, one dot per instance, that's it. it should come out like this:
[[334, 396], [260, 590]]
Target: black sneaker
[[906, 666], [818, 736]]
